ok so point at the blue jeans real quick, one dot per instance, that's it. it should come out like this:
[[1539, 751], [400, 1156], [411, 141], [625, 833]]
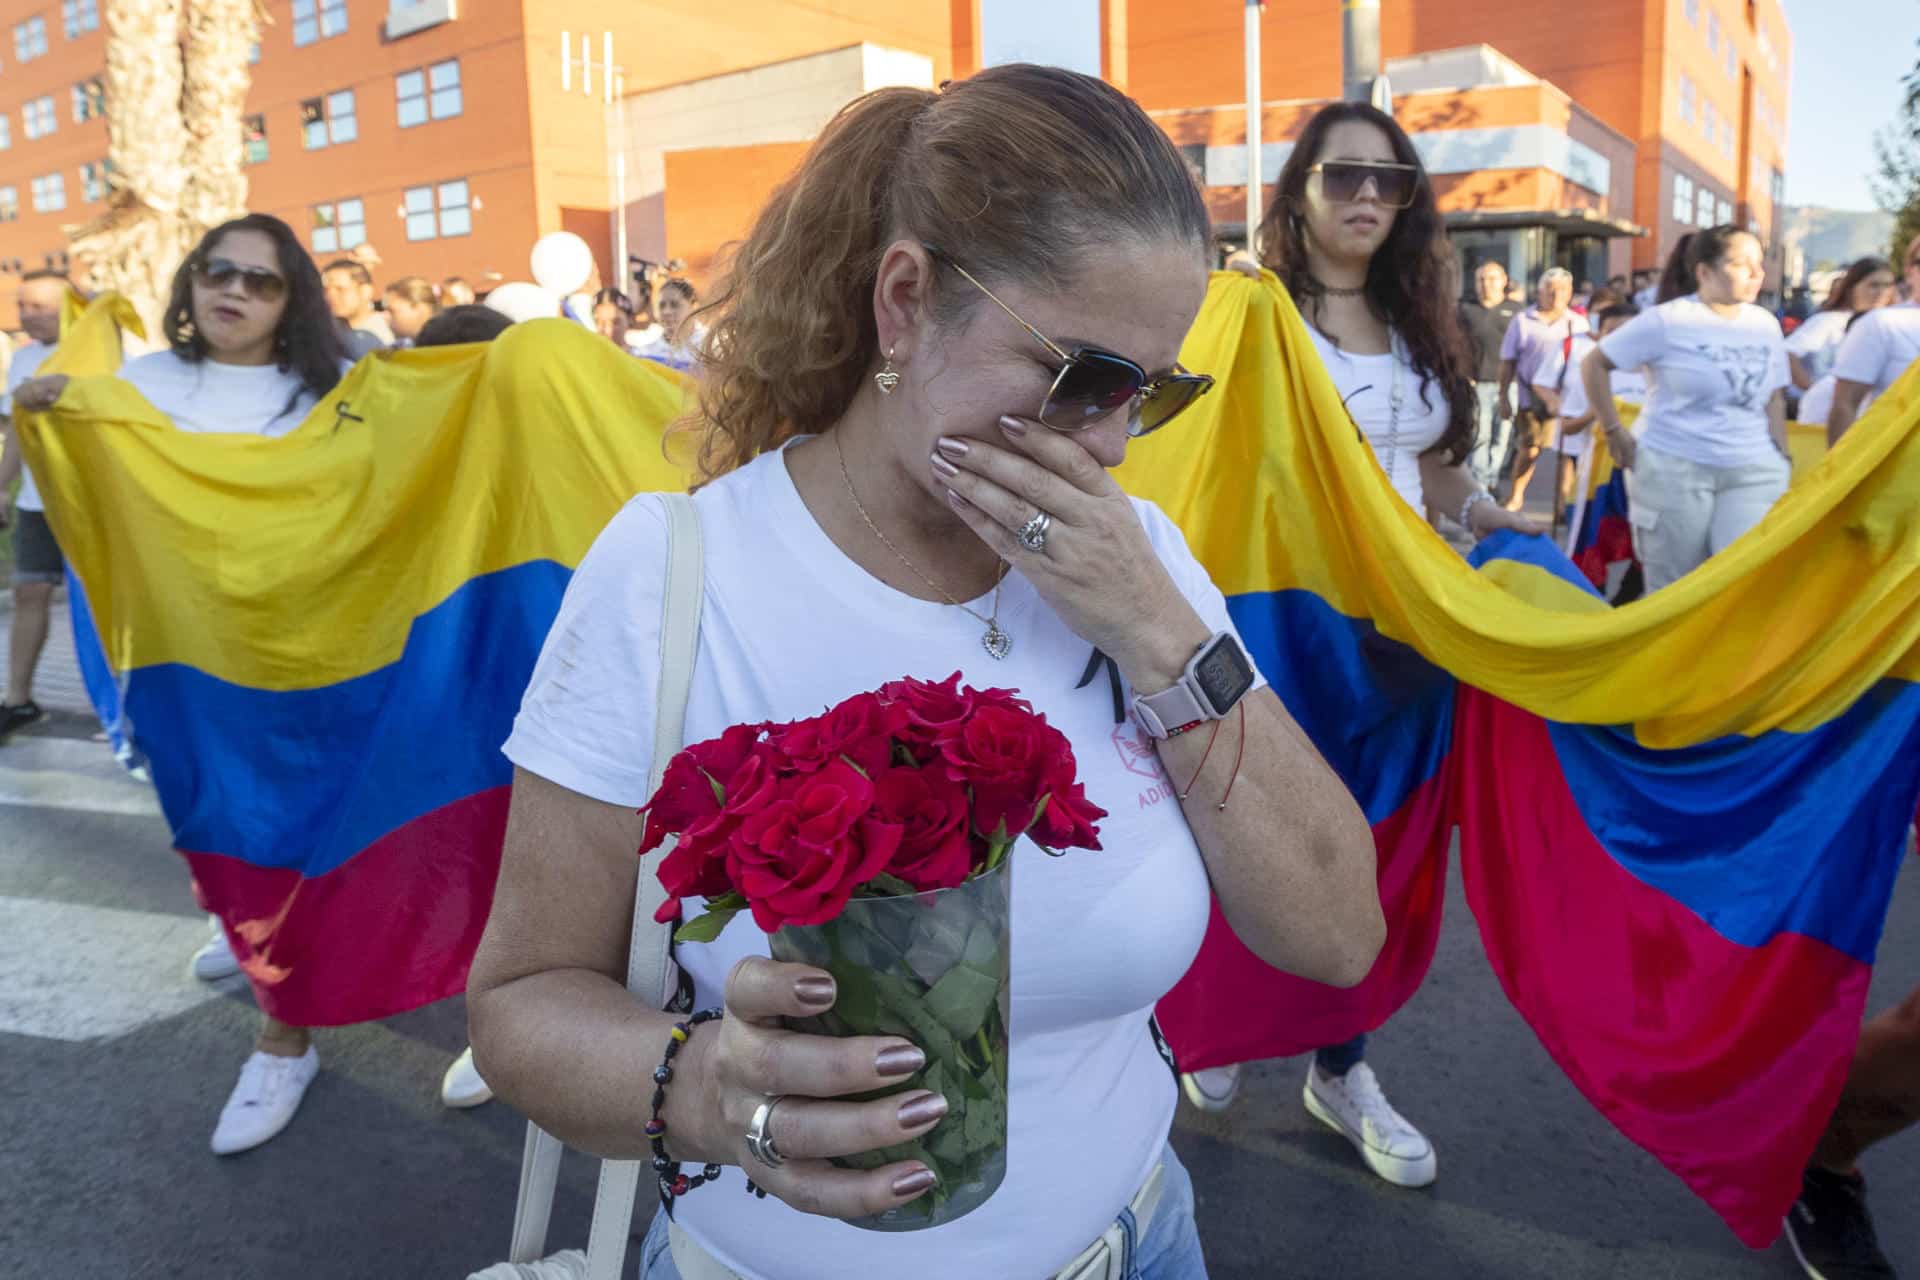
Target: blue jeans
[[1338, 1059], [1490, 437], [1170, 1249]]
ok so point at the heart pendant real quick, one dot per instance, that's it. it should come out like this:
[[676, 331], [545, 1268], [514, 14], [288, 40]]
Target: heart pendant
[[886, 380], [996, 642]]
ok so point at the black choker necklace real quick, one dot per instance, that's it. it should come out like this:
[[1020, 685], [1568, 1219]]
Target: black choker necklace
[[1332, 292]]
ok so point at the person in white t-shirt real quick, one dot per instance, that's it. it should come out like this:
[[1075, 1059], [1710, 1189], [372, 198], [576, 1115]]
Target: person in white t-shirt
[[908, 474], [1866, 286], [1564, 392], [1876, 352], [37, 564], [250, 350], [1710, 457]]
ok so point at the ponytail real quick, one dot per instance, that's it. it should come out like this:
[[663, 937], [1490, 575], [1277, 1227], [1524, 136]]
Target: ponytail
[[1013, 172], [795, 329]]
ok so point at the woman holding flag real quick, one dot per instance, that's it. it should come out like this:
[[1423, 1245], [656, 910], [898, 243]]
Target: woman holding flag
[[1355, 234]]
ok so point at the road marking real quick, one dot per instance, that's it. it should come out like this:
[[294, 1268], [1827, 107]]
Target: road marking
[[62, 773], [74, 972]]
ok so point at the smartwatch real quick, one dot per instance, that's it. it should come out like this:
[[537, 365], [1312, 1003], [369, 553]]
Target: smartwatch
[[1212, 685]]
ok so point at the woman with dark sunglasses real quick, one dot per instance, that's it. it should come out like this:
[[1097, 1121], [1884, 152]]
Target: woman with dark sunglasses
[[932, 348], [1355, 235], [251, 348]]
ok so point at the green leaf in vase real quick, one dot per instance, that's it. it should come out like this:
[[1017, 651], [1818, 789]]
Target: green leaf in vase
[[961, 999], [890, 885], [984, 1127], [707, 926], [939, 947]]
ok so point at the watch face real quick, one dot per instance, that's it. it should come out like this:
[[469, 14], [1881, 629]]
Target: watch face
[[1224, 674]]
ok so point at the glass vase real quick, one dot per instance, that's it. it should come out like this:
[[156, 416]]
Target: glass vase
[[931, 968]]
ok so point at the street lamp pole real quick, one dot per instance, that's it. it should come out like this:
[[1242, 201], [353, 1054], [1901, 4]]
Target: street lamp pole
[[1254, 8]]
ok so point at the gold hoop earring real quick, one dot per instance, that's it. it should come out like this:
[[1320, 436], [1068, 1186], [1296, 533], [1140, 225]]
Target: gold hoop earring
[[887, 379]]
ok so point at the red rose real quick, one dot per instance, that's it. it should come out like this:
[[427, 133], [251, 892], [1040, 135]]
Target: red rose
[[798, 859], [936, 844], [695, 782], [1070, 820], [860, 729]]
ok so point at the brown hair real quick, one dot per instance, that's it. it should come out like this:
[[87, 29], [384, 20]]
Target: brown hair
[[415, 289], [1012, 172]]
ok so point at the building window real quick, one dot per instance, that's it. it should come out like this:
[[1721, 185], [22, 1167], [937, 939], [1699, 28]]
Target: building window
[[1713, 33], [1710, 121], [1727, 140], [443, 210], [1703, 208], [49, 193], [30, 39], [1693, 12], [1733, 61], [253, 133], [1722, 213], [6, 131], [93, 181], [340, 226], [79, 17], [1777, 189], [1682, 198], [433, 94], [38, 117], [9, 203], [1686, 98], [317, 20], [253, 54], [89, 100], [329, 120]]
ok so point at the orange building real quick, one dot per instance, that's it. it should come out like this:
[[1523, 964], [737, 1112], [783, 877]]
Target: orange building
[[439, 131]]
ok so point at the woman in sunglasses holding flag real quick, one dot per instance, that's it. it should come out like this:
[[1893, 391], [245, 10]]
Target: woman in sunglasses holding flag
[[251, 348], [1355, 235]]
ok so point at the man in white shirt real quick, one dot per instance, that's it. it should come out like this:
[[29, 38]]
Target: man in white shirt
[[350, 296], [1536, 335], [1879, 348], [37, 563]]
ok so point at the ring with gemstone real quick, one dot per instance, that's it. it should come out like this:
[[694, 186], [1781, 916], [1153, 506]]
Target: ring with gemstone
[[1033, 534], [760, 1133]]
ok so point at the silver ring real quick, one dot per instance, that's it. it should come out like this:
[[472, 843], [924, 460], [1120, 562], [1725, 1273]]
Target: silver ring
[[760, 1136], [1033, 534]]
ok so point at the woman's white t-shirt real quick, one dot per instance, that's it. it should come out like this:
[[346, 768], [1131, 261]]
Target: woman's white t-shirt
[[233, 399], [790, 626], [1817, 340], [1709, 379], [1368, 385]]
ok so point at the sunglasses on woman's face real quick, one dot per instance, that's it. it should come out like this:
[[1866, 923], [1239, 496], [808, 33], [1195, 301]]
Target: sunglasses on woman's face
[[1093, 382], [1343, 181], [259, 283]]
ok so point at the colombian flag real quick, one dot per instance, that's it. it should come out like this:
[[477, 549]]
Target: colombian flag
[[1679, 821], [319, 642]]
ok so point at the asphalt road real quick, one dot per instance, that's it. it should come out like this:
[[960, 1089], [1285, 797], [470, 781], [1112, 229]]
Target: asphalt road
[[113, 1065]]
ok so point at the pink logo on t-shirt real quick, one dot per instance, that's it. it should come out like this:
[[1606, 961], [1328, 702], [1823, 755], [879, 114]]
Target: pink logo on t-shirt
[[1136, 751]]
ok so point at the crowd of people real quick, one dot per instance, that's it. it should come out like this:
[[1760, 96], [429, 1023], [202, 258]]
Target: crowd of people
[[885, 412]]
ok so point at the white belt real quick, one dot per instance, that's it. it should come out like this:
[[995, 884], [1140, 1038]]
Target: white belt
[[1104, 1259]]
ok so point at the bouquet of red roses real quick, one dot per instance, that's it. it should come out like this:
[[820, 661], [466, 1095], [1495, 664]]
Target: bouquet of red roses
[[871, 841]]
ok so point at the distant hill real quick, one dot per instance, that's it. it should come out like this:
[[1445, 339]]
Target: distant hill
[[1827, 238]]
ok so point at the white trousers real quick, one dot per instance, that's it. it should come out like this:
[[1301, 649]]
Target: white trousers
[[1683, 513]]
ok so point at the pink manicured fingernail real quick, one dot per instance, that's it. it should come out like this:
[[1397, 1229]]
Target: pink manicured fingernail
[[943, 467], [957, 500], [1013, 426], [817, 992], [921, 1110], [951, 447], [899, 1060], [913, 1184]]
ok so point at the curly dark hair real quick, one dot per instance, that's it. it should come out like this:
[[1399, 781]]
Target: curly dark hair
[[306, 343], [1406, 285]]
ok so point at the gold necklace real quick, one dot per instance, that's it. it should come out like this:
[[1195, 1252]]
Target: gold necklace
[[996, 642]]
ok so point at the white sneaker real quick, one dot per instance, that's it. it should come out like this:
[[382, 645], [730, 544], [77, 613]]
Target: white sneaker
[[462, 1086], [215, 960], [1212, 1089], [264, 1100], [1353, 1106]]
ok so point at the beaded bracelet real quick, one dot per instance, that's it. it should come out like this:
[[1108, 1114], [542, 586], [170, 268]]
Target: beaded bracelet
[[666, 1169]]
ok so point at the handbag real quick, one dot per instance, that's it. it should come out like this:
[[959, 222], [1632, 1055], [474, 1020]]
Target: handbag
[[651, 974]]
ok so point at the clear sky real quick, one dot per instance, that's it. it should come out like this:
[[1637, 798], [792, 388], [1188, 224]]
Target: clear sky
[[1848, 57]]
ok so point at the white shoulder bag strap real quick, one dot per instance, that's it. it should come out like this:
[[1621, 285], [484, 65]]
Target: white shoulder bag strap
[[651, 975]]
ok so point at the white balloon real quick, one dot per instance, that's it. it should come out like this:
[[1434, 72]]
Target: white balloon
[[519, 301], [562, 262]]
